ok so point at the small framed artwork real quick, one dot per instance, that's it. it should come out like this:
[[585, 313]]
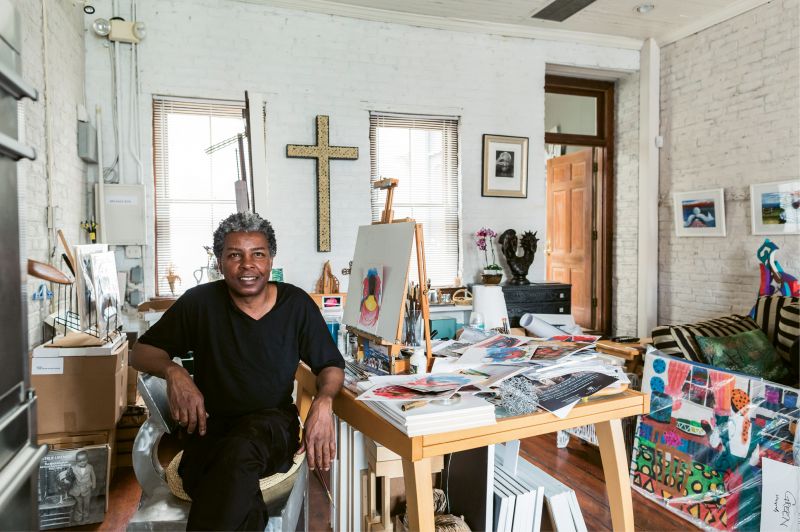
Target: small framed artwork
[[700, 213], [505, 166], [775, 208]]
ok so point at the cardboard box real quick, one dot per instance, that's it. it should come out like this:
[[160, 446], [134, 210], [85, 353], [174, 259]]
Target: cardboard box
[[132, 392], [78, 394], [62, 346], [157, 304]]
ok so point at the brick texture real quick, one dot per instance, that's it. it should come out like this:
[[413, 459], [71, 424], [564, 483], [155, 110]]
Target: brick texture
[[65, 78], [730, 113], [308, 64]]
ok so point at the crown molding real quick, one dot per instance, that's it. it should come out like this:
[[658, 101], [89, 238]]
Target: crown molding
[[732, 10], [452, 24]]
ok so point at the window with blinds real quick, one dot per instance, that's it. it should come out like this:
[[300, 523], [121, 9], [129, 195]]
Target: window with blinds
[[422, 152], [195, 165]]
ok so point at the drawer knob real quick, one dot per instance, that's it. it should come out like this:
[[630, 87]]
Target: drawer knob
[[561, 295]]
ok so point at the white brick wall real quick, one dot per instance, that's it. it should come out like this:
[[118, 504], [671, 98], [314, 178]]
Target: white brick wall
[[309, 64], [65, 72], [626, 207], [730, 113]]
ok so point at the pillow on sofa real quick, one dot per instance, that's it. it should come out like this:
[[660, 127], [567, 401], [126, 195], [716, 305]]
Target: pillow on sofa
[[788, 329], [788, 339], [748, 352], [725, 326], [665, 342], [767, 311]]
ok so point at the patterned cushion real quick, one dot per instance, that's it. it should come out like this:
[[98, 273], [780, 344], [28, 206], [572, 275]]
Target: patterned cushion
[[665, 342], [767, 312], [788, 329], [748, 352], [726, 326]]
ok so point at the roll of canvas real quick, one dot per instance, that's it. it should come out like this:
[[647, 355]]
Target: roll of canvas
[[489, 301], [538, 327]]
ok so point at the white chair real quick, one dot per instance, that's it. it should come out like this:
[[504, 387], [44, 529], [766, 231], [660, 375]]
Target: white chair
[[159, 509]]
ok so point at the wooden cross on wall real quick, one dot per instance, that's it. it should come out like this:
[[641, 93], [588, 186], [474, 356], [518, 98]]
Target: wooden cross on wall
[[323, 152]]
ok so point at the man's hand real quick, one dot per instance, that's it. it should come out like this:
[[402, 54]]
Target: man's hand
[[185, 401], [319, 440]]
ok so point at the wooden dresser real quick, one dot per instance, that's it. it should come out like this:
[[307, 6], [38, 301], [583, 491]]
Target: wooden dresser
[[536, 298]]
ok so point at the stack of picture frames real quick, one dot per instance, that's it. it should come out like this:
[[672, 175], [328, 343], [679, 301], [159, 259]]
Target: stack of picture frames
[[376, 297], [774, 210]]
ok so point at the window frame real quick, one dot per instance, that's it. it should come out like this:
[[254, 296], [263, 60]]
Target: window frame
[[451, 155], [160, 161]]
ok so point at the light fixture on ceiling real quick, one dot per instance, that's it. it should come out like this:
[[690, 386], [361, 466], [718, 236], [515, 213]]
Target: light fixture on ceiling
[[643, 9]]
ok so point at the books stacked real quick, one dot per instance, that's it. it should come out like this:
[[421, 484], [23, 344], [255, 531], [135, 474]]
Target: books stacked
[[560, 500], [517, 506], [465, 413]]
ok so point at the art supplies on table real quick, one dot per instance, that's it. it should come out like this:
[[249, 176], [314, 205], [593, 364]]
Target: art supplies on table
[[587, 338], [498, 341], [558, 395], [493, 374], [497, 355], [468, 412], [415, 387]]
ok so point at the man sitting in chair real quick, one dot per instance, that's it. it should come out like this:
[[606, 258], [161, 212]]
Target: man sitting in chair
[[248, 336]]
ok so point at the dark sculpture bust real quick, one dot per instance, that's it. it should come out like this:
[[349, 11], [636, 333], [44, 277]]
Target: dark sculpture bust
[[519, 264]]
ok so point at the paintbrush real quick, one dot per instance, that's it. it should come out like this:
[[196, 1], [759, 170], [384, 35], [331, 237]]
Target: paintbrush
[[324, 485]]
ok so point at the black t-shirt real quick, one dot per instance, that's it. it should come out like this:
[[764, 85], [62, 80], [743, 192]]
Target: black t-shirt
[[242, 365]]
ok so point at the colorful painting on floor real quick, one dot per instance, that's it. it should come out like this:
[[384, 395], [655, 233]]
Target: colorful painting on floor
[[371, 292], [699, 452]]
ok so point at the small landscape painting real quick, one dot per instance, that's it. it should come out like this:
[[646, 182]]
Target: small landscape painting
[[775, 208]]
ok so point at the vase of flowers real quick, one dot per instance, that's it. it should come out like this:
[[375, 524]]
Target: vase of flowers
[[492, 272]]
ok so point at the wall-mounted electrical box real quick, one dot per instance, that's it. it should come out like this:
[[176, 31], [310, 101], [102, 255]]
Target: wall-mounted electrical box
[[123, 214], [87, 142]]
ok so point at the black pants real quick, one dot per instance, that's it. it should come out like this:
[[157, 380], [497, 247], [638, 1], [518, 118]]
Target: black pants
[[220, 471]]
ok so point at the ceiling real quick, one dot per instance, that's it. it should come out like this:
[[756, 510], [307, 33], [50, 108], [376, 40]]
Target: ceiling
[[613, 22]]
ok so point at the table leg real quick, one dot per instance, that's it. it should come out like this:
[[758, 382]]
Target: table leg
[[419, 494], [615, 470]]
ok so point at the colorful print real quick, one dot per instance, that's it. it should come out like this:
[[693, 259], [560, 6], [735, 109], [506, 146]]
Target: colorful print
[[699, 450], [372, 289]]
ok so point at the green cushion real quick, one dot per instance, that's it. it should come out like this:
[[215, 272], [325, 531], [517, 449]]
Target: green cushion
[[748, 352]]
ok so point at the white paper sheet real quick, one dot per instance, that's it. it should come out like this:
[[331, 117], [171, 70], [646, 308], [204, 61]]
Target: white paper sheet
[[780, 491]]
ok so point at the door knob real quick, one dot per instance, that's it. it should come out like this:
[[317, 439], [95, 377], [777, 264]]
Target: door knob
[[549, 250]]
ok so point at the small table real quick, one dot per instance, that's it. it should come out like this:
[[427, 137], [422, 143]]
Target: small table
[[416, 452]]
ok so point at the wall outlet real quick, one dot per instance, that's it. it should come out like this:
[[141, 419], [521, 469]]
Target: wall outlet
[[133, 252]]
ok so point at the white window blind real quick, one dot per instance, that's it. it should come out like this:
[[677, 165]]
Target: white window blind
[[422, 152], [194, 185]]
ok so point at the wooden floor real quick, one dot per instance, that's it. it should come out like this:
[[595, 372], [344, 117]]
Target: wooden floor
[[577, 465]]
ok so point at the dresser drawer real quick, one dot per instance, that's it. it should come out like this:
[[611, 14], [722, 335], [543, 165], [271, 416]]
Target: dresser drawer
[[542, 292]]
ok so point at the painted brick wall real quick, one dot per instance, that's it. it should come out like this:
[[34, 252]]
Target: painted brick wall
[[730, 113], [626, 207], [309, 64], [65, 72]]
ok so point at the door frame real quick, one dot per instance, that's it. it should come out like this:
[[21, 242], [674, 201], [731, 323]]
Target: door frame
[[602, 186]]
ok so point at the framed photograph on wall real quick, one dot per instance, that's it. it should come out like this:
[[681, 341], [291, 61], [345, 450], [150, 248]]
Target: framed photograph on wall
[[700, 213], [505, 166], [775, 208]]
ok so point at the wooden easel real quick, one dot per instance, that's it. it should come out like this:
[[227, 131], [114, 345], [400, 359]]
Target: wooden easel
[[397, 364]]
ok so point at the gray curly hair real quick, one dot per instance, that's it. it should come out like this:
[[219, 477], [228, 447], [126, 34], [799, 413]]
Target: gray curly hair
[[244, 222]]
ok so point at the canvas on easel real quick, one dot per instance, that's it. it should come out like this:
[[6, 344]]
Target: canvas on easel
[[377, 293], [380, 263]]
